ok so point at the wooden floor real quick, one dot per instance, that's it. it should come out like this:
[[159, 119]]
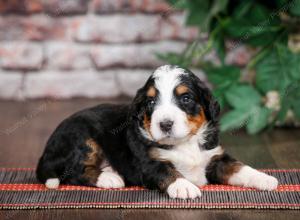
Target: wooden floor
[[25, 127]]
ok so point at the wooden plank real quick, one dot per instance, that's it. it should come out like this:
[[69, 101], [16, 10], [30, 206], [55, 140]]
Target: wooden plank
[[284, 146], [251, 150]]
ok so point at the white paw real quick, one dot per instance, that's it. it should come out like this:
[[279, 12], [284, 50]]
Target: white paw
[[250, 177], [263, 181], [110, 180], [183, 189], [52, 183]]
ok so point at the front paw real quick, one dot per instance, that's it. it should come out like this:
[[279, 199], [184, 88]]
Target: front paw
[[110, 180], [263, 181], [183, 189]]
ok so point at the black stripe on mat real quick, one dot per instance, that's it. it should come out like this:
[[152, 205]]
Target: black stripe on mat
[[150, 199]]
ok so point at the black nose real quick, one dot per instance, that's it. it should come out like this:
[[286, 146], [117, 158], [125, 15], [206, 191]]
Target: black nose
[[166, 125]]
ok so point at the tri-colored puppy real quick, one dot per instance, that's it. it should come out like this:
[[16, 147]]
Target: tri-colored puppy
[[166, 139]]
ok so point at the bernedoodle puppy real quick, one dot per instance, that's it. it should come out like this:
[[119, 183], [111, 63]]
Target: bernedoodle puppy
[[166, 139]]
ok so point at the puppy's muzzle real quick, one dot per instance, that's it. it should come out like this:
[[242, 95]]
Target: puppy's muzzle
[[166, 125]]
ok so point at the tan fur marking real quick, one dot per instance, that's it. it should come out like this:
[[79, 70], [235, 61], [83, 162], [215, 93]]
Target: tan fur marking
[[229, 169], [151, 92], [147, 124], [181, 89], [195, 122], [94, 149], [93, 161]]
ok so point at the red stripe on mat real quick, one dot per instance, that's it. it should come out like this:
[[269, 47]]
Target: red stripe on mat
[[16, 169], [41, 187], [179, 204]]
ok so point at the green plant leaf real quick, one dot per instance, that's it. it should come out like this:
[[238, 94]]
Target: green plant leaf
[[224, 76], [201, 13], [294, 99], [219, 95], [290, 99], [243, 29], [256, 15], [295, 8], [178, 4], [258, 119], [202, 18], [242, 96], [252, 23], [281, 3], [242, 9], [263, 39], [234, 119], [219, 45], [285, 106], [296, 108], [278, 69]]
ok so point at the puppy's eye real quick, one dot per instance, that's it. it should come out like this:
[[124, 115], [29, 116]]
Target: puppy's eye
[[151, 103], [186, 99]]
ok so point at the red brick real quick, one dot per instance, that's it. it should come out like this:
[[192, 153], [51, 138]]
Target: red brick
[[20, 6], [65, 7], [21, 56], [37, 27], [147, 6], [133, 55], [131, 28], [55, 7], [63, 85], [67, 56], [10, 85]]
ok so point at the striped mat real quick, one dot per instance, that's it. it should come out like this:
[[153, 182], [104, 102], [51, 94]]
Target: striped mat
[[19, 189]]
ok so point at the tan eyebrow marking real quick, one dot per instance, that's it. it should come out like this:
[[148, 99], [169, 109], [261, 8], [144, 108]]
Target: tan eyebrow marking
[[151, 92], [181, 89]]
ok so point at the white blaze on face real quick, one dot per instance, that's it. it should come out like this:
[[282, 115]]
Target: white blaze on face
[[167, 78]]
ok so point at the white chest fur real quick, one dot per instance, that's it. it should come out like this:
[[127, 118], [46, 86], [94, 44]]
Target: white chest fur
[[190, 160]]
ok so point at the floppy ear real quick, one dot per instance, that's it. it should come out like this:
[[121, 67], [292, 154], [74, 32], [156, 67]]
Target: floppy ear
[[138, 103], [137, 109], [214, 109], [212, 112], [210, 104]]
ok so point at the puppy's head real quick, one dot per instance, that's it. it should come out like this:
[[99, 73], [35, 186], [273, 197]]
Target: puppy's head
[[173, 106]]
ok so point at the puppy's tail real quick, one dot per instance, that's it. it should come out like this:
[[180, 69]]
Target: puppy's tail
[[47, 175]]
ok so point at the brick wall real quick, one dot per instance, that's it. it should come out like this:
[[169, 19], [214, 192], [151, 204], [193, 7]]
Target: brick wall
[[84, 48]]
